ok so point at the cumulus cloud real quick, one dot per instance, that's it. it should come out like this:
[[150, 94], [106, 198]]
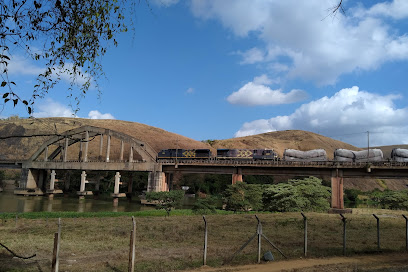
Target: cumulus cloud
[[51, 108], [346, 116], [256, 93], [97, 115], [293, 34]]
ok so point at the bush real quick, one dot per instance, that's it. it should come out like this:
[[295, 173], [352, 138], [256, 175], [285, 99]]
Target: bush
[[166, 200], [206, 205], [395, 200], [297, 195], [352, 195], [243, 197]]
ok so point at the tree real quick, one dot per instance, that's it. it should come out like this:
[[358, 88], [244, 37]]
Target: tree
[[68, 37], [166, 200], [297, 195], [243, 197]]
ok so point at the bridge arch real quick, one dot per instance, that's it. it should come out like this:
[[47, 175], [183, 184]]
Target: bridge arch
[[60, 144]]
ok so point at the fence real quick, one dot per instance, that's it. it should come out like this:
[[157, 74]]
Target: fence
[[177, 242]]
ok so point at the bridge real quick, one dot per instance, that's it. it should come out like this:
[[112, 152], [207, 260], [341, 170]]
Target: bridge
[[120, 153]]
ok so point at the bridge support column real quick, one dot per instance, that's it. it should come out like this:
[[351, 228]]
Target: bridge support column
[[116, 194], [52, 185], [31, 182], [237, 177], [82, 192], [157, 182], [337, 201]]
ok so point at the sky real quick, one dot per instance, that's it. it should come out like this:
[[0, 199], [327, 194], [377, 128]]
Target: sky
[[221, 69]]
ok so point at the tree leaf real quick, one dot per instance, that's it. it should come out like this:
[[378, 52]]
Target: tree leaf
[[5, 95], [3, 84]]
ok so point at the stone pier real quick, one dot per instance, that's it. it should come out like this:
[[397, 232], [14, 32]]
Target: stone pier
[[157, 182]]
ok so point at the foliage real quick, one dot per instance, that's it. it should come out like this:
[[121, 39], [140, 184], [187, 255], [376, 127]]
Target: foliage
[[352, 195], [297, 195], [166, 200], [243, 197], [258, 179], [394, 199], [68, 37], [206, 205], [206, 183], [211, 142]]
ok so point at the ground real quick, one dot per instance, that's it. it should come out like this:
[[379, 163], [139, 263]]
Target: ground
[[377, 262]]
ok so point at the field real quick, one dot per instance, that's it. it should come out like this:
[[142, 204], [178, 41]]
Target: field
[[176, 242]]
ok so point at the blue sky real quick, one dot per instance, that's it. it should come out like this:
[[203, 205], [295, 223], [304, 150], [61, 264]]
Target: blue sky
[[220, 69]]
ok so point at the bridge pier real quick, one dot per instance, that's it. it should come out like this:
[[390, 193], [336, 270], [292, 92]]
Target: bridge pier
[[82, 191], [337, 198], [157, 182], [237, 177], [31, 182]]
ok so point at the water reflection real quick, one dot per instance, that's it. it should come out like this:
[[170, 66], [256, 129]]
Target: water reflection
[[16, 203]]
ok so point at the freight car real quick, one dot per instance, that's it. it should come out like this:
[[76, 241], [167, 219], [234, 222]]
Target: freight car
[[184, 154], [247, 154]]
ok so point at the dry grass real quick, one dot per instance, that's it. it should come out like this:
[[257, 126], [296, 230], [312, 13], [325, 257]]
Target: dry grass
[[172, 243]]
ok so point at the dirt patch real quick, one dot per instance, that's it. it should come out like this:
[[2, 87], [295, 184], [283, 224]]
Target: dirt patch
[[399, 262]]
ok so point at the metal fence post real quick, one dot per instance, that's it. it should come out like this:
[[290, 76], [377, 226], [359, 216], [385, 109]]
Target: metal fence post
[[378, 231], [344, 233], [406, 232], [55, 255], [259, 232], [205, 242], [131, 266], [305, 234]]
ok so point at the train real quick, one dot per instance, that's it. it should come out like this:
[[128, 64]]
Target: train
[[341, 155]]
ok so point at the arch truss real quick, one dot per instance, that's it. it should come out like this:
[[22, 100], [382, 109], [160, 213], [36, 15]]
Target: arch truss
[[89, 143]]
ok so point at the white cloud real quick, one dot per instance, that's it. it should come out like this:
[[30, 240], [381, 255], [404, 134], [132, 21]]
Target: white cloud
[[97, 115], [256, 93], [294, 35], [346, 116], [19, 65], [252, 56], [189, 91], [51, 108], [397, 9]]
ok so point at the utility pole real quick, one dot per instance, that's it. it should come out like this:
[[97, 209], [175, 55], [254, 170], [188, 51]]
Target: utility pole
[[368, 145]]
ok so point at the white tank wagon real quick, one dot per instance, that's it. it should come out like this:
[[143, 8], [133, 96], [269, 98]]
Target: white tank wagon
[[310, 155], [399, 155], [358, 156]]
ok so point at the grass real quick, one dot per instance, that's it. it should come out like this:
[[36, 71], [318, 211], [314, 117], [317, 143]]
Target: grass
[[100, 241]]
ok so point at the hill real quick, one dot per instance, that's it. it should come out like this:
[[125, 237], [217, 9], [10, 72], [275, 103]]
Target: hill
[[287, 139], [23, 148]]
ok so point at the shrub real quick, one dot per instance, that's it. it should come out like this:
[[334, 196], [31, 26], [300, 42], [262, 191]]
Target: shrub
[[206, 205], [166, 200], [394, 200], [297, 195]]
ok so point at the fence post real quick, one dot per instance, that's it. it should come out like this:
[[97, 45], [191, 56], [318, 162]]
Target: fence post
[[344, 233], [378, 231], [132, 253], [55, 254], [205, 242], [305, 235], [406, 232], [259, 232]]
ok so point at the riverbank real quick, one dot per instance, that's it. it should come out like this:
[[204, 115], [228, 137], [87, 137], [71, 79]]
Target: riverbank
[[101, 242]]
